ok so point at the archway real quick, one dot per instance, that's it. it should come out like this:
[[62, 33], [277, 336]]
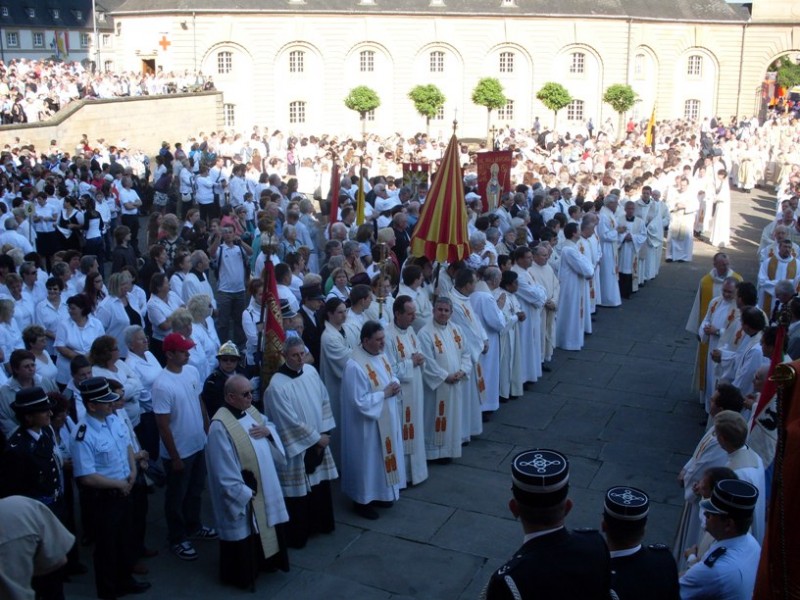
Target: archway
[[780, 88]]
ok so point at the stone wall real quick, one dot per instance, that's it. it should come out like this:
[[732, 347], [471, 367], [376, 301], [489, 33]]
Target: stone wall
[[143, 122]]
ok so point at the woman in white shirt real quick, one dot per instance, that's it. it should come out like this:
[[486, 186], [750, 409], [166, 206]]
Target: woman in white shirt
[[35, 340], [23, 309], [93, 225], [51, 311], [115, 311], [147, 368], [10, 335], [204, 194], [198, 356], [75, 335], [340, 288], [203, 330], [163, 302], [104, 356], [70, 223], [182, 265]]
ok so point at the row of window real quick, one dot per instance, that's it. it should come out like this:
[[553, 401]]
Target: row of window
[[31, 12], [366, 62], [12, 39]]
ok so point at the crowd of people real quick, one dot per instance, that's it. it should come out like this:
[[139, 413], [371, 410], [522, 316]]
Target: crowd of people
[[33, 90], [135, 359]]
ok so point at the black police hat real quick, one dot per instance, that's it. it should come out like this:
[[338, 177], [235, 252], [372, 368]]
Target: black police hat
[[31, 400], [626, 504], [95, 389], [732, 497], [540, 477]]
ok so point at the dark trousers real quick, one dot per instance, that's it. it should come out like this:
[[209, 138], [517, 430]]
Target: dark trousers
[[132, 222], [230, 306], [114, 552], [625, 285], [182, 498]]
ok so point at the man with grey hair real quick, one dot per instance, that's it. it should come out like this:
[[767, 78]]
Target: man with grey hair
[[11, 236], [610, 233], [489, 311], [479, 253], [633, 239], [544, 275], [683, 206]]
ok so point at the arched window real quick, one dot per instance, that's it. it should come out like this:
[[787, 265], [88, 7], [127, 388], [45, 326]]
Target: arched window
[[437, 61], [577, 63], [694, 66], [691, 109], [575, 110], [506, 62], [506, 113], [297, 112], [638, 66], [297, 61], [224, 62], [366, 60]]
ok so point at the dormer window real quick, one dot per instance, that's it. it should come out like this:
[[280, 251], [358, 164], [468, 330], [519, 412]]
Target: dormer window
[[78, 15], [508, 3], [56, 13], [437, 3], [4, 11], [31, 13], [101, 17], [366, 2]]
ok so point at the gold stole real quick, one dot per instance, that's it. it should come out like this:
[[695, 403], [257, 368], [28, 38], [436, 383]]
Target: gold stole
[[408, 414], [440, 422], [772, 269], [385, 429], [249, 461]]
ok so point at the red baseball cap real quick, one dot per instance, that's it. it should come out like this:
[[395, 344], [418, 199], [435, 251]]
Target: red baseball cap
[[176, 342]]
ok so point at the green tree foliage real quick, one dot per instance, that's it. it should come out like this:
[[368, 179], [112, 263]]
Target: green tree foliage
[[621, 97], [427, 99], [489, 93], [555, 97], [788, 73], [362, 100]]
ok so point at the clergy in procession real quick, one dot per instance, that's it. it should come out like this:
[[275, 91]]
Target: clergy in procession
[[742, 357], [296, 401], [544, 275], [531, 297], [683, 206], [773, 270], [405, 357], [489, 311], [510, 342], [574, 276], [412, 285], [721, 211], [610, 233], [373, 471], [335, 351], [360, 300], [722, 314], [782, 232], [649, 212], [446, 375], [243, 448], [478, 344], [710, 287], [633, 239], [588, 245]]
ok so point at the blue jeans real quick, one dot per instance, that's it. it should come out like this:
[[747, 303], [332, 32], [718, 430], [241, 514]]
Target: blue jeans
[[230, 306], [182, 497]]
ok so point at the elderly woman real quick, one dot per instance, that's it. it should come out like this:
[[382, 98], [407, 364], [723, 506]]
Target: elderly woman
[[146, 367], [163, 302], [23, 305], [35, 339], [23, 375], [10, 335], [75, 335], [104, 356], [115, 312], [289, 243], [340, 289], [199, 355], [51, 311]]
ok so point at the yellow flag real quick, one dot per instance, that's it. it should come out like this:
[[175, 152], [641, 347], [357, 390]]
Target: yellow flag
[[360, 201], [650, 134]]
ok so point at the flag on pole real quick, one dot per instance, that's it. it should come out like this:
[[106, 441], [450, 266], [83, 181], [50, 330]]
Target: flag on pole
[[770, 388], [360, 200], [650, 134], [273, 336], [333, 213]]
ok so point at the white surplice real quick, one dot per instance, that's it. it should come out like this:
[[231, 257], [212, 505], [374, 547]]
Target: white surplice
[[573, 307]]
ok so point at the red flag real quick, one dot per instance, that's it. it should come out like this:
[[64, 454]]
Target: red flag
[[333, 215], [769, 389], [273, 335]]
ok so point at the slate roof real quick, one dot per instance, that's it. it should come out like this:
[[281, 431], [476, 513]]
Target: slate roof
[[673, 10], [44, 15]]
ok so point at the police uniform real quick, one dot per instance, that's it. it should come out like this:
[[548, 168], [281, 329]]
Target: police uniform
[[728, 569], [556, 563], [101, 446], [642, 571], [213, 394]]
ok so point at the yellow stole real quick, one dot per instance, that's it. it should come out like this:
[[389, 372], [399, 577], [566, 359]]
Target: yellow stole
[[408, 415], [249, 461], [772, 269], [706, 295]]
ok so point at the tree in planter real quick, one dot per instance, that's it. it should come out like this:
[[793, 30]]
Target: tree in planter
[[555, 97], [362, 100], [427, 99], [621, 97], [489, 93]]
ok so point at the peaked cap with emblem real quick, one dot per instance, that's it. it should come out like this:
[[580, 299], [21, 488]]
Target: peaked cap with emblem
[[540, 477], [95, 389], [626, 503], [732, 497], [31, 400]]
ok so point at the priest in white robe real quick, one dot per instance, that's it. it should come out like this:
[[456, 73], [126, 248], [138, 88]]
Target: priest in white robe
[[633, 239], [373, 470], [334, 352], [544, 275], [405, 356], [683, 206], [780, 267], [649, 212], [446, 375], [741, 358], [411, 285], [242, 450], [477, 343], [721, 211], [297, 402], [489, 311], [531, 297], [510, 346], [357, 315], [574, 277], [589, 247], [610, 234], [722, 314]]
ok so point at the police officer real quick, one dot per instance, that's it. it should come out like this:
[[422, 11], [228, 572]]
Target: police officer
[[228, 363], [30, 466], [104, 466], [636, 571], [553, 562], [727, 571]]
